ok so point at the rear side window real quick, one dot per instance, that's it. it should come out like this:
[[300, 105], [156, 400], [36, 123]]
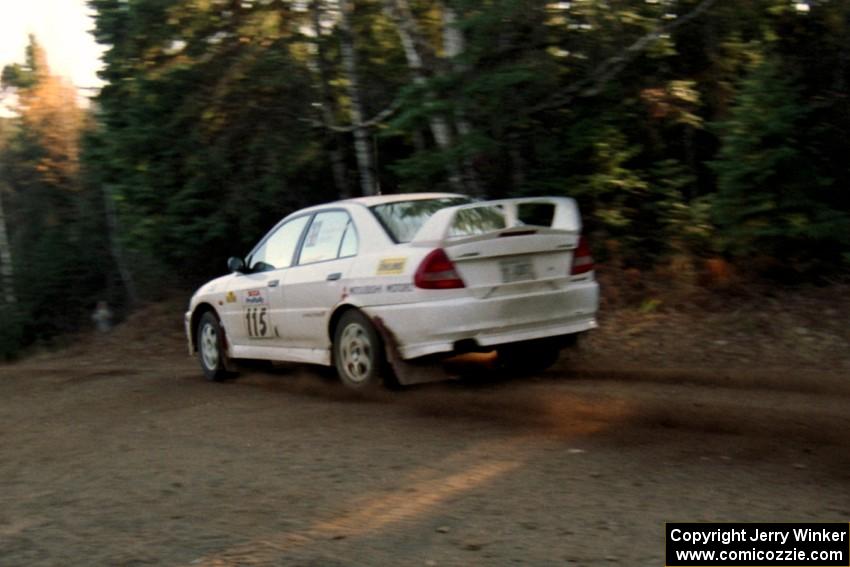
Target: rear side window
[[403, 219], [330, 236]]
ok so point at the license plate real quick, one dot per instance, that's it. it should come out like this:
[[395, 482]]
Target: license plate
[[516, 270]]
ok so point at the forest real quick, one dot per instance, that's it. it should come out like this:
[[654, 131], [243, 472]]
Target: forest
[[689, 131]]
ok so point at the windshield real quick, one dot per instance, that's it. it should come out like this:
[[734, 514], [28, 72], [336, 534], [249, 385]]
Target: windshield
[[403, 219]]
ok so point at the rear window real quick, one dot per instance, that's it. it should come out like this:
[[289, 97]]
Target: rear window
[[403, 219]]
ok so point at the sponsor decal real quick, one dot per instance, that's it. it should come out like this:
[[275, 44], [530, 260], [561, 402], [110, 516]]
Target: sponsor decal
[[391, 266], [400, 287], [231, 297], [365, 289], [254, 297]]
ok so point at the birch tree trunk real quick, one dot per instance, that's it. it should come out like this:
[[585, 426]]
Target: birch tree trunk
[[7, 271], [454, 44], [399, 11], [332, 139], [362, 147]]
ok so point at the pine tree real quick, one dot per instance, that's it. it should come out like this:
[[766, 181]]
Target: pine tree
[[48, 211], [770, 198]]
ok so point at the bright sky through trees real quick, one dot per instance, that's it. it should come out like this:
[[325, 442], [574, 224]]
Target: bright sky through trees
[[62, 27]]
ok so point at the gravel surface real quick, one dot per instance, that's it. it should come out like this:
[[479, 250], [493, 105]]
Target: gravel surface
[[116, 452]]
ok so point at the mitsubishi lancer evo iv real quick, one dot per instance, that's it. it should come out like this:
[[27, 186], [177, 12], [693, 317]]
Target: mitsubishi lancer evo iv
[[354, 283]]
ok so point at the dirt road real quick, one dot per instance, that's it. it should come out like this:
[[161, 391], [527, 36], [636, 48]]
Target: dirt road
[[117, 453]]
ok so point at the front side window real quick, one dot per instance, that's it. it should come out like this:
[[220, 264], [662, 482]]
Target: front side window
[[278, 249], [330, 236], [403, 219]]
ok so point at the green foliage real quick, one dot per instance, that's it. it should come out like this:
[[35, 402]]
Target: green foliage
[[24, 76], [206, 139], [639, 204], [17, 76], [772, 199], [203, 144]]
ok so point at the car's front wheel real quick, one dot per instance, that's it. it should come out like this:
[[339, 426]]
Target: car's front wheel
[[358, 352], [209, 345]]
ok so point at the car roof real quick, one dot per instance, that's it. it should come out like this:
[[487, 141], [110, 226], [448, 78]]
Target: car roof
[[384, 199]]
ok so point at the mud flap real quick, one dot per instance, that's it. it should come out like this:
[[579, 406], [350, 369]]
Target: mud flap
[[224, 348], [406, 372]]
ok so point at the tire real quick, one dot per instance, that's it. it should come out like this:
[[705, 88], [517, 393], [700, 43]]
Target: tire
[[529, 357], [208, 342], [358, 352]]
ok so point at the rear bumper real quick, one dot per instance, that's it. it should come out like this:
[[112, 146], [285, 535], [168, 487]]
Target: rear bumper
[[436, 326]]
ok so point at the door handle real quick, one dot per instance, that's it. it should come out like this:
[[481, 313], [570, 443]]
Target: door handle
[[334, 276], [273, 283]]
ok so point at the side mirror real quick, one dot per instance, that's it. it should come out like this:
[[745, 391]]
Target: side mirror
[[235, 264]]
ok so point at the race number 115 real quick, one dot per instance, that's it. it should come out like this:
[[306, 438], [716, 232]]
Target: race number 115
[[255, 317]]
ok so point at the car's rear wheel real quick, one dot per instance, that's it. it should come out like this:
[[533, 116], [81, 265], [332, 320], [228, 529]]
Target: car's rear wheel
[[359, 352], [529, 357], [209, 345]]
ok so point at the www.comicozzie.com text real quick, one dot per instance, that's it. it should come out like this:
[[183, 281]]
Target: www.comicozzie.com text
[[743, 534]]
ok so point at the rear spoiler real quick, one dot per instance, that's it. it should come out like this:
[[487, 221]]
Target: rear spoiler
[[565, 217]]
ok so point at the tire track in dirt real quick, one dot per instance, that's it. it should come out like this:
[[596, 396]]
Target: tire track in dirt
[[421, 491], [574, 403]]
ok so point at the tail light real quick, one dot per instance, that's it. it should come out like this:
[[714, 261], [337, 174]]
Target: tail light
[[437, 272], [582, 259]]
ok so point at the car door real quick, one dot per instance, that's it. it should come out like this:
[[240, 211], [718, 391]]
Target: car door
[[315, 284], [252, 310]]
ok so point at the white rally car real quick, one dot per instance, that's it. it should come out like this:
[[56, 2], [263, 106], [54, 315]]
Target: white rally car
[[355, 282]]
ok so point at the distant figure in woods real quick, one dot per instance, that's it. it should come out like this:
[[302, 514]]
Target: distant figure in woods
[[102, 317]]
